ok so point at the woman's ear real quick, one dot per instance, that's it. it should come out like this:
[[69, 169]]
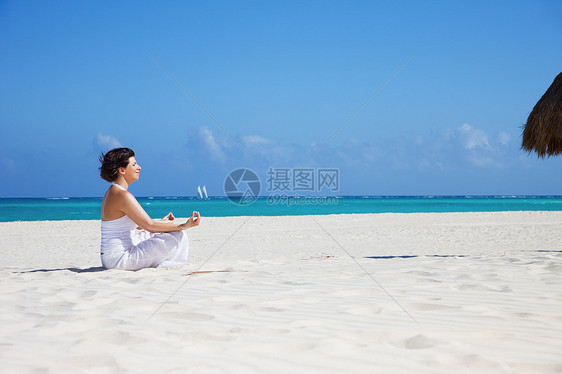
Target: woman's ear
[[121, 170]]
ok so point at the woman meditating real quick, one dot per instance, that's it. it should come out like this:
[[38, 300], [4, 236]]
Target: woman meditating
[[160, 243]]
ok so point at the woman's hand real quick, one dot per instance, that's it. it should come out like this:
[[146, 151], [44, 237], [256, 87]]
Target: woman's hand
[[192, 221], [169, 217]]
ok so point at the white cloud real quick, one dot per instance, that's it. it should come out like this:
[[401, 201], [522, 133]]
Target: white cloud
[[443, 150], [503, 138], [473, 138], [211, 144], [106, 142], [251, 140], [258, 146]]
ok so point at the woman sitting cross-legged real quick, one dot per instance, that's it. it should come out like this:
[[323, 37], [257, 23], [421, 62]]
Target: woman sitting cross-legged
[[130, 239]]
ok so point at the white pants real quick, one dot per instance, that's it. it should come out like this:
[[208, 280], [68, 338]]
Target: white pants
[[151, 250]]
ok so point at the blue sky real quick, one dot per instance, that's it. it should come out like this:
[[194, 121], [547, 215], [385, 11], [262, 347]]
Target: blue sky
[[279, 77]]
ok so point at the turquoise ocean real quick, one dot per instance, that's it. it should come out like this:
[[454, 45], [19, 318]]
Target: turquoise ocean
[[38, 209]]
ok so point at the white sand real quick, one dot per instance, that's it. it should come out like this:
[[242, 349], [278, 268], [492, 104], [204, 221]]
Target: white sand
[[442, 293]]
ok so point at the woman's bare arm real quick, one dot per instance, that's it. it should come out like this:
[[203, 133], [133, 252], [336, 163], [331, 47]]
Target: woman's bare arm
[[131, 207]]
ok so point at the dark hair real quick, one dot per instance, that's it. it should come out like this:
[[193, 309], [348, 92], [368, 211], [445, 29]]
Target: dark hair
[[112, 161]]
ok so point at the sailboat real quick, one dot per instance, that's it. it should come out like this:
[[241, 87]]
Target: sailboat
[[202, 194]]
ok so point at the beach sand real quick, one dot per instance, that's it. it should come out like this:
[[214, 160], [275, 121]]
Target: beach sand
[[384, 293]]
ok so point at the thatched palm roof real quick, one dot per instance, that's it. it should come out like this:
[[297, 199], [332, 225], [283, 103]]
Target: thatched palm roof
[[543, 131]]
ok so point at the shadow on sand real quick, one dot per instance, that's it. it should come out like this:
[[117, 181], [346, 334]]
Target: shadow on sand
[[410, 256], [93, 269]]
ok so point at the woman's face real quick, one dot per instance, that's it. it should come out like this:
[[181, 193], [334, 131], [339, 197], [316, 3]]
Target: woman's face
[[132, 171]]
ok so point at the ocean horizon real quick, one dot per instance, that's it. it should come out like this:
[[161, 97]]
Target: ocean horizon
[[88, 208]]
